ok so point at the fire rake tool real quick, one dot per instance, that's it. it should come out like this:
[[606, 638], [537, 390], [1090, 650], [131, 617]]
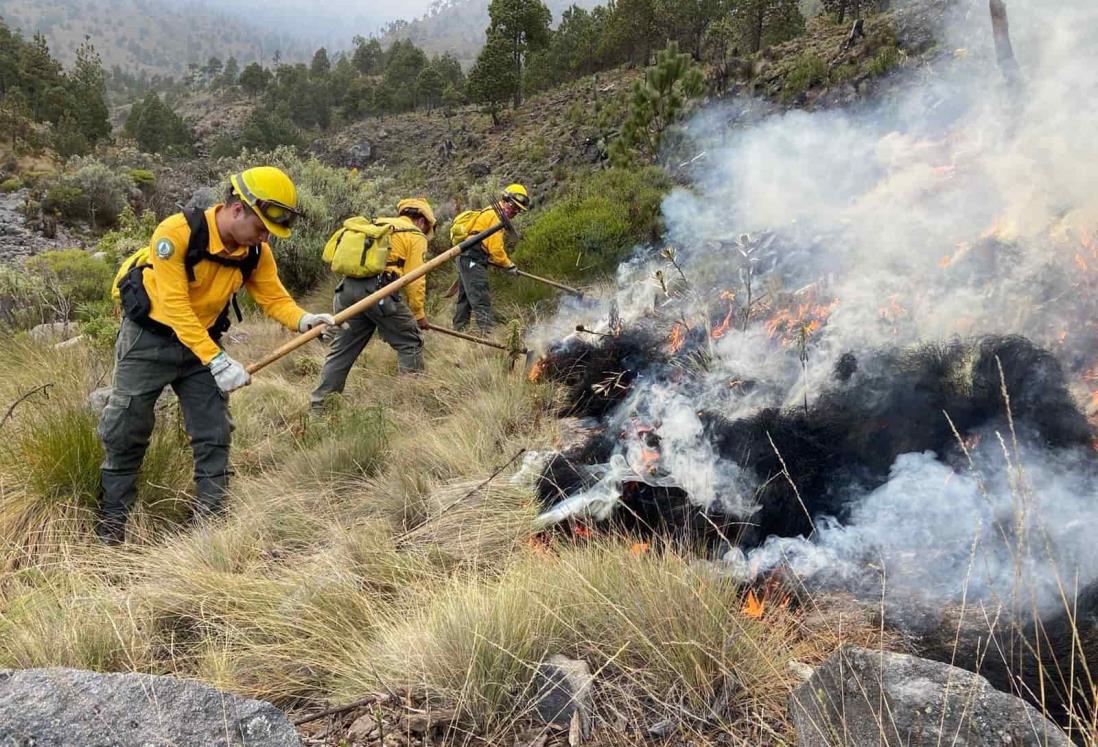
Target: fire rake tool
[[514, 351], [374, 298], [474, 338], [552, 283], [584, 330]]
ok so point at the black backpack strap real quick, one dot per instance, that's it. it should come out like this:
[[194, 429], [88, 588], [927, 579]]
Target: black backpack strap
[[199, 242], [251, 261]]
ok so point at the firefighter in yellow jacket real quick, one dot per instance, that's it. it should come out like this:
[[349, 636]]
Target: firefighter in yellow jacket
[[176, 297], [474, 299], [398, 321]]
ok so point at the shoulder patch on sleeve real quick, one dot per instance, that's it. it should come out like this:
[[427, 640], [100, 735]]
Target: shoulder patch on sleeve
[[165, 248]]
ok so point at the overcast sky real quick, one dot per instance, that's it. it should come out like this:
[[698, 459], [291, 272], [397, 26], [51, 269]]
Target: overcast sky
[[342, 18]]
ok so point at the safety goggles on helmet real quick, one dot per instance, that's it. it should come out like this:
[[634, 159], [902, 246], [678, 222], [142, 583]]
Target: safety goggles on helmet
[[276, 212], [520, 200]]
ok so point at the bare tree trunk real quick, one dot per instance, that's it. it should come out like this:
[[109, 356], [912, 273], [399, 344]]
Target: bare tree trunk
[[1004, 50]]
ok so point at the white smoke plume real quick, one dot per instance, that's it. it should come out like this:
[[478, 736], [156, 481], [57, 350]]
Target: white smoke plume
[[953, 206]]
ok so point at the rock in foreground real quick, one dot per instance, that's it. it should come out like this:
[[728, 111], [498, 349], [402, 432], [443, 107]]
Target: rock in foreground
[[863, 698], [54, 707]]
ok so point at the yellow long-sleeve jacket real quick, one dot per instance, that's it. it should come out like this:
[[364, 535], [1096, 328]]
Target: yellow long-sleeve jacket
[[190, 308], [493, 245], [407, 247]]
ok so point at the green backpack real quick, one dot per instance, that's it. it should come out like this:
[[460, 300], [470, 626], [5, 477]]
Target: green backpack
[[360, 249], [462, 226]]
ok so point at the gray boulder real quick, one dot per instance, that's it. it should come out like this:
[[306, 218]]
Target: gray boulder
[[864, 698], [202, 198], [54, 332], [55, 707], [360, 154], [562, 688]]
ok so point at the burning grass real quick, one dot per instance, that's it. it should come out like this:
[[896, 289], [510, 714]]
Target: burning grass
[[366, 550]]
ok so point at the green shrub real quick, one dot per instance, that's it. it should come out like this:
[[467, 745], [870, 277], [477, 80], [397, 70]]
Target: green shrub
[[93, 192], [75, 277], [67, 200], [132, 233], [11, 184], [809, 70], [99, 323], [843, 73], [885, 59], [144, 179], [589, 231], [24, 299]]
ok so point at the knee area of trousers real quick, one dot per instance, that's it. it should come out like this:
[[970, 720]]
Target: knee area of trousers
[[122, 426]]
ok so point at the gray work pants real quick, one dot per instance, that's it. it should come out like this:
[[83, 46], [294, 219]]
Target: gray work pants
[[474, 299], [391, 318], [145, 363]]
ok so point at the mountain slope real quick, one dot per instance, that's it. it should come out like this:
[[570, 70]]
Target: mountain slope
[[457, 26], [148, 35]]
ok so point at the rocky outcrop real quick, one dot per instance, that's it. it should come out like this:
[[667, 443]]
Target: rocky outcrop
[[864, 698], [18, 239], [54, 707]]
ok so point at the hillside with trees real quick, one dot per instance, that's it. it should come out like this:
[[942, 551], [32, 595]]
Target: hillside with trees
[[149, 37], [457, 26]]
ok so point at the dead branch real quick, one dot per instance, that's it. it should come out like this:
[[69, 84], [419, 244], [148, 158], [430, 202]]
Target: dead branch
[[32, 392]]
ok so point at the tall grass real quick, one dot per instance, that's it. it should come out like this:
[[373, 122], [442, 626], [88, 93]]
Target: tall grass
[[372, 548], [50, 454]]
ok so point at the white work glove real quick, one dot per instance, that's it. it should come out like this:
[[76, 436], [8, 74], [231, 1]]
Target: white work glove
[[511, 269], [308, 321], [229, 374]]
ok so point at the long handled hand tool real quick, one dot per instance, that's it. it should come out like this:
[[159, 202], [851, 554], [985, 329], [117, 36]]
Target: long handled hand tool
[[560, 286], [474, 338], [373, 299], [514, 351]]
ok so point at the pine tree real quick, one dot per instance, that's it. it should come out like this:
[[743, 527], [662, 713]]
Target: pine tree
[[523, 26], [155, 127], [42, 79], [492, 79], [254, 79], [765, 22], [404, 62], [88, 94], [855, 8], [321, 65], [632, 29], [368, 55], [231, 72], [657, 103], [212, 69], [429, 87]]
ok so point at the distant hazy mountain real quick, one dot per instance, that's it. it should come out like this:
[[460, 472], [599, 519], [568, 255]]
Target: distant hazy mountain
[[457, 26], [154, 36]]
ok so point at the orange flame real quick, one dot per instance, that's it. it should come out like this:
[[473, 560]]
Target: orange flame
[[581, 532], [722, 329], [639, 548], [536, 370], [753, 606], [788, 325], [678, 337], [770, 597], [650, 457]]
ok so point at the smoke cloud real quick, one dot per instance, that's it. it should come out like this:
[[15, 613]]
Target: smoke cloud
[[953, 206]]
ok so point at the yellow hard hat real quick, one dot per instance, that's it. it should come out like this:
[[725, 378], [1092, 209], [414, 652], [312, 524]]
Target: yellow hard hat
[[419, 206], [271, 194], [517, 194]]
